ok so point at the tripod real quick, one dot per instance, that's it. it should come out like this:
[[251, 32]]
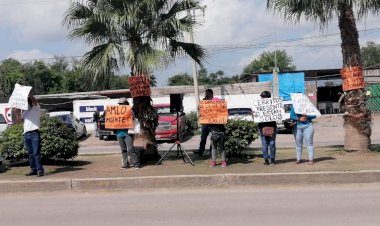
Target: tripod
[[180, 148]]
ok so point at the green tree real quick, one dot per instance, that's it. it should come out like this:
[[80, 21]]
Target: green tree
[[358, 117], [266, 62], [182, 79], [142, 34], [371, 55], [11, 72]]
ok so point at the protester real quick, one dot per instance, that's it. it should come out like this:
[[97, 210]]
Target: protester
[[32, 121], [96, 118], [268, 131], [130, 156], [205, 129], [217, 143], [304, 130]]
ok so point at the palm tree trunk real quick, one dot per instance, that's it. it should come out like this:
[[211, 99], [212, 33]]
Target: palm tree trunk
[[357, 118]]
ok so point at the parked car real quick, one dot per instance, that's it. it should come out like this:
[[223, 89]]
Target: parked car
[[167, 123], [71, 121], [240, 113], [3, 124]]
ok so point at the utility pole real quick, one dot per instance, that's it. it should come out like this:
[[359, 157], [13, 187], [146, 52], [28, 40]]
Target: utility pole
[[276, 92], [195, 73]]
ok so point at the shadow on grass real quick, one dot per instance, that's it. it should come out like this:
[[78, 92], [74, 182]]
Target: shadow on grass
[[320, 159]]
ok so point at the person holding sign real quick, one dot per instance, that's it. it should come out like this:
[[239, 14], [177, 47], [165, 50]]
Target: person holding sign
[[129, 155], [217, 142], [304, 130], [32, 140], [205, 129], [268, 131]]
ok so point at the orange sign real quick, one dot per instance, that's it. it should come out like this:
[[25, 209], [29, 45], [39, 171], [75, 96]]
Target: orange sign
[[118, 117], [139, 86], [352, 78], [213, 112]]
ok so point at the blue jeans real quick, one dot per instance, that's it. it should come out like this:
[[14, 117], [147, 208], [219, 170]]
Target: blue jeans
[[268, 142], [305, 132], [205, 132], [33, 146]]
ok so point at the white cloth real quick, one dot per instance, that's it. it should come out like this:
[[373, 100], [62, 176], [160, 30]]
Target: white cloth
[[32, 118]]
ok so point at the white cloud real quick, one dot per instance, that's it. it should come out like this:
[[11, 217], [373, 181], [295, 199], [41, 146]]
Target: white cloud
[[34, 21], [28, 55]]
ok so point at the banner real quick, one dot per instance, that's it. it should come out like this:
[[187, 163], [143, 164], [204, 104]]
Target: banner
[[213, 112], [19, 97], [302, 105], [267, 109], [352, 78], [118, 117], [139, 86]]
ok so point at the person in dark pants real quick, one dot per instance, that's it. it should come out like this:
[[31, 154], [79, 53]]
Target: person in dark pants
[[96, 117], [217, 143], [130, 156], [205, 128], [32, 140], [268, 131]]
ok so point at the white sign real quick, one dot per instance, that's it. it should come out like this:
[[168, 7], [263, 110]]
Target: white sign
[[302, 105], [267, 109], [19, 98]]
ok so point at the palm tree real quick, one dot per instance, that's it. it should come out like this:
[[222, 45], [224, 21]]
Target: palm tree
[[358, 117], [142, 34]]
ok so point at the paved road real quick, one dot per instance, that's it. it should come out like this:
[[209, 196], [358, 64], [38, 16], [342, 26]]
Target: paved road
[[318, 205]]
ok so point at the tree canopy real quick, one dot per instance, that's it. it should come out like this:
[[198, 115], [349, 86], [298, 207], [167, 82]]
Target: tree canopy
[[204, 78], [371, 55]]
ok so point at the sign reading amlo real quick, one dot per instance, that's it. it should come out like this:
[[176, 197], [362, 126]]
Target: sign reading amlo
[[118, 117]]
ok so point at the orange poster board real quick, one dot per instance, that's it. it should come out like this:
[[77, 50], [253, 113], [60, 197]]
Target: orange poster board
[[352, 78], [118, 117], [213, 112], [139, 86]]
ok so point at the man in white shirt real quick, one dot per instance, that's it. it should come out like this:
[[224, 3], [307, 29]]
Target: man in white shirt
[[32, 141]]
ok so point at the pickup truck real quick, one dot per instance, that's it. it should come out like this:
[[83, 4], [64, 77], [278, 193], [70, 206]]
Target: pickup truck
[[104, 134]]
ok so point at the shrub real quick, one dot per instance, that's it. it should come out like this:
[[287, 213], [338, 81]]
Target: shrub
[[192, 123], [57, 141], [239, 135]]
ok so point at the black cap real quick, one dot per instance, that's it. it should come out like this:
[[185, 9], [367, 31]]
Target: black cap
[[265, 94]]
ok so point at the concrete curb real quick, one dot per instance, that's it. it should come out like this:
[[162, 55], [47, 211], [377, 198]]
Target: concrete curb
[[190, 181]]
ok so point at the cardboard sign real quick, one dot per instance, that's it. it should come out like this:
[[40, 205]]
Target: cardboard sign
[[267, 109], [302, 105], [19, 97], [352, 78], [139, 86], [213, 112], [118, 117]]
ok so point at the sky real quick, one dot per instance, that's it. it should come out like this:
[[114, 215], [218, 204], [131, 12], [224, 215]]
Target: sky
[[234, 32]]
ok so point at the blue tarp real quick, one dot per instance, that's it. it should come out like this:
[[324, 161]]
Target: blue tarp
[[288, 83]]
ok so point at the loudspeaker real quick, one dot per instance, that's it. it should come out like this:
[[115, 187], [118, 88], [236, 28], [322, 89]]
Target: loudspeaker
[[176, 102]]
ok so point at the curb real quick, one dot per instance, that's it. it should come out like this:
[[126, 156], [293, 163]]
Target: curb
[[191, 181]]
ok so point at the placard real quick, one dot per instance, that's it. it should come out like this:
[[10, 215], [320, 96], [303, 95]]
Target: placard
[[302, 105], [118, 117], [139, 86], [267, 109], [213, 112], [19, 97], [352, 78]]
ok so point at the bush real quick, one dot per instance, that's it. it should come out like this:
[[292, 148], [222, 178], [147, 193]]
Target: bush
[[192, 123], [57, 141], [239, 135]]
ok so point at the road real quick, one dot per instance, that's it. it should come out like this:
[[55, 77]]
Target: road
[[307, 205]]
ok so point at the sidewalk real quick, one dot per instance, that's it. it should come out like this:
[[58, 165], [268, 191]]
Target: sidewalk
[[92, 172], [102, 171]]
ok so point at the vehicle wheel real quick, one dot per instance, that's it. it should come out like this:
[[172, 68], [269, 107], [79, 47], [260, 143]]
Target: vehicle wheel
[[101, 137]]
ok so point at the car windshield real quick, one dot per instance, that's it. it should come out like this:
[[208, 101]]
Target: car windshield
[[2, 119], [240, 111], [62, 117], [164, 111]]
